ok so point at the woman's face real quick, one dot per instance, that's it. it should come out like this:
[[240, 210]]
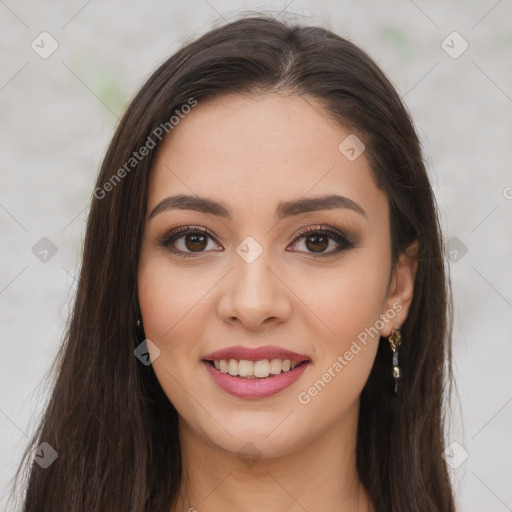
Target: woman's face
[[253, 171]]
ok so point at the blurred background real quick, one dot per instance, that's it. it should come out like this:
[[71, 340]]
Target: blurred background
[[68, 70]]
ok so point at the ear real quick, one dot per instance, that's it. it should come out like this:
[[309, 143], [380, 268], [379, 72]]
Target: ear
[[401, 289]]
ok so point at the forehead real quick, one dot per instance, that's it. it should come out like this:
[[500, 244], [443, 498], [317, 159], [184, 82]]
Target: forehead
[[252, 152]]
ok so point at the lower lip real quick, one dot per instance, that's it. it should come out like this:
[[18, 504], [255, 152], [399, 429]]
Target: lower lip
[[255, 388]]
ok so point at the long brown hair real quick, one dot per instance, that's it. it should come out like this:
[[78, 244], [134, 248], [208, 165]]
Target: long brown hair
[[111, 424]]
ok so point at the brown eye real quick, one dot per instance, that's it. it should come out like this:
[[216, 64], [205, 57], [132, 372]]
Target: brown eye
[[187, 241], [196, 242], [317, 240], [317, 243]]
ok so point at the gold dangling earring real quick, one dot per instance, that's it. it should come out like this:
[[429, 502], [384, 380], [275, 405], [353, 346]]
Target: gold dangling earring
[[395, 340]]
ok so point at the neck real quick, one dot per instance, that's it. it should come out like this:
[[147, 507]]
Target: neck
[[319, 476]]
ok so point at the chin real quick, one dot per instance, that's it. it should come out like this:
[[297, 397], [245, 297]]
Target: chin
[[258, 447]]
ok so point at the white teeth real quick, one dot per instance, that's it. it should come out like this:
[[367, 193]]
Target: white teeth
[[233, 367], [261, 368], [255, 369], [275, 366], [245, 368]]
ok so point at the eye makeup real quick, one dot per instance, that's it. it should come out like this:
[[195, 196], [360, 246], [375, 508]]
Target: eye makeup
[[344, 240]]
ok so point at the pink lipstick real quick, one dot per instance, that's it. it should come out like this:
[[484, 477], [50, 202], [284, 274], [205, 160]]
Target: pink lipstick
[[250, 386]]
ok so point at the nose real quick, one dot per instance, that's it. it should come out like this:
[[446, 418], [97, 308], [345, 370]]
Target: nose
[[254, 295]]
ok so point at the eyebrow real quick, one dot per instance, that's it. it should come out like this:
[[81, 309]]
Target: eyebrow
[[284, 208]]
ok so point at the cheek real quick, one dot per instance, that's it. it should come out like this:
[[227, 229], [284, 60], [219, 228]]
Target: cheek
[[173, 310], [345, 300], [169, 299], [345, 305]]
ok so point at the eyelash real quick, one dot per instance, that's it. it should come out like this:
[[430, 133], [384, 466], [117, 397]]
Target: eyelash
[[344, 241]]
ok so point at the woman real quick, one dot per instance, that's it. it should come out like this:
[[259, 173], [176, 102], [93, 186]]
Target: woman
[[261, 321]]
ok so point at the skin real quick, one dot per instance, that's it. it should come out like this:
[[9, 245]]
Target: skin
[[252, 153]]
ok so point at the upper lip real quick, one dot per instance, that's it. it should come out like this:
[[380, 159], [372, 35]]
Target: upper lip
[[255, 354]]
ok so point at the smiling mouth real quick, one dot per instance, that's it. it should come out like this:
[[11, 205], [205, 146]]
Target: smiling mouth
[[250, 370]]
